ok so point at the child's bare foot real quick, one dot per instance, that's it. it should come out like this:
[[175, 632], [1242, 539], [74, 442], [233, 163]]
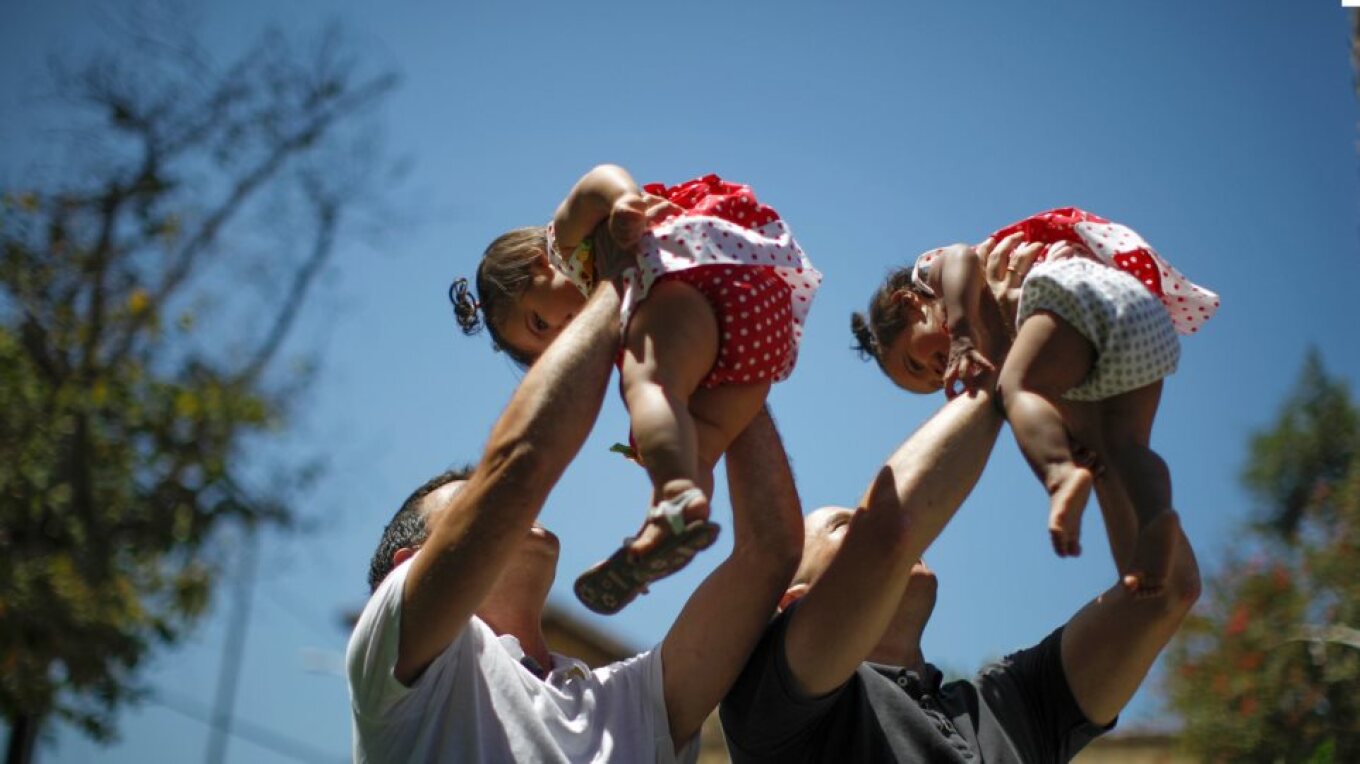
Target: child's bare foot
[[1069, 488], [1147, 573], [695, 507]]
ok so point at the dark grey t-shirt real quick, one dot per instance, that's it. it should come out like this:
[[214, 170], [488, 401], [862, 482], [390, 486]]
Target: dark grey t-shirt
[[1017, 710]]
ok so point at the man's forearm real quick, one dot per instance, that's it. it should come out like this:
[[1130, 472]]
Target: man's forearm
[[1109, 646], [547, 420], [555, 406], [766, 511], [701, 663], [937, 467], [841, 619]]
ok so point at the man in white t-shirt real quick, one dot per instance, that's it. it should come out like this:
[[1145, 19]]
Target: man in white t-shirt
[[448, 661]]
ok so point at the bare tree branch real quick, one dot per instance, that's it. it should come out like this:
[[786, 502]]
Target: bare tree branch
[[328, 220], [125, 438], [183, 263]]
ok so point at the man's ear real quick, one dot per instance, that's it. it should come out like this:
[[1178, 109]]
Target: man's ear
[[402, 555], [792, 595]]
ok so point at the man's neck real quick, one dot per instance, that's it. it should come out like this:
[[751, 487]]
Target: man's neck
[[899, 653], [901, 642], [525, 626]]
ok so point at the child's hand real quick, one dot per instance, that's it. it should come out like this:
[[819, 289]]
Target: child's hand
[[966, 366], [612, 262], [628, 221], [659, 208]]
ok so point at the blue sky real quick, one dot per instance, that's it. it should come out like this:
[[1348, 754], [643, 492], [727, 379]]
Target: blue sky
[[1224, 132]]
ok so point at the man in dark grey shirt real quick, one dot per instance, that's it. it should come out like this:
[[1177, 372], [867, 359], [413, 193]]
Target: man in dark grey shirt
[[1016, 710], [839, 675]]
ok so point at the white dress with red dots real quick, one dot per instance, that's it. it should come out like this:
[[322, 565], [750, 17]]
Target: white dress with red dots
[[1128, 302], [741, 256]]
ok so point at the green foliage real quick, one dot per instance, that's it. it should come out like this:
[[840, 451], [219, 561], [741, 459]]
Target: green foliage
[[1296, 465], [1268, 667], [128, 412]]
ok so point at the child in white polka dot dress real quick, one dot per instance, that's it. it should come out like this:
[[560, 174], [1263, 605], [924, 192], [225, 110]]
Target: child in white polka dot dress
[[712, 315], [1095, 334]]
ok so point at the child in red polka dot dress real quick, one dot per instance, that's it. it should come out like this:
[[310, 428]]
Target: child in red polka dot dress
[[1095, 334], [712, 315]]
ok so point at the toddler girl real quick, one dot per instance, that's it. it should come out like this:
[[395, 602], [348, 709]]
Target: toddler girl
[[1097, 322], [712, 315]]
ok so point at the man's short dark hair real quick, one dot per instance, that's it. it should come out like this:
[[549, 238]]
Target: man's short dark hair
[[407, 526]]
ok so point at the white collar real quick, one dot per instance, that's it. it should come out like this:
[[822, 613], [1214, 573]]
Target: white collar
[[564, 667]]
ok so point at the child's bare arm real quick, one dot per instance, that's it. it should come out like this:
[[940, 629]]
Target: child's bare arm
[[593, 200], [961, 284]]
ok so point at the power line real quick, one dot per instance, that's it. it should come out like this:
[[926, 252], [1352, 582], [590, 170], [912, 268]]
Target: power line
[[302, 614], [249, 731]]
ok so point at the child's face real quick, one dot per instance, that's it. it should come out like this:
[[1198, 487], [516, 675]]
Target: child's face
[[916, 360], [548, 304]]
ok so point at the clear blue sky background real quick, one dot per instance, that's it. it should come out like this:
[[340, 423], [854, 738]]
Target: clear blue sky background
[[1225, 132]]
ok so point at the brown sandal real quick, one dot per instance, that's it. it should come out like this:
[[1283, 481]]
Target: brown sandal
[[609, 586]]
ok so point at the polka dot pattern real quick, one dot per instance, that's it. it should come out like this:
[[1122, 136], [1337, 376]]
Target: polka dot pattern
[[1134, 338], [724, 225], [1188, 304], [756, 340]]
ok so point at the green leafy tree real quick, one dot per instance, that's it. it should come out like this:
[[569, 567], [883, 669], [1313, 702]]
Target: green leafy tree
[[146, 288], [1268, 669]]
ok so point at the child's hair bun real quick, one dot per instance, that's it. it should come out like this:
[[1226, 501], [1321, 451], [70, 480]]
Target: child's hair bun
[[465, 307], [867, 343]]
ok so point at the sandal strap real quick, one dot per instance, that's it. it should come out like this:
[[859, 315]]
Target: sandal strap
[[672, 510]]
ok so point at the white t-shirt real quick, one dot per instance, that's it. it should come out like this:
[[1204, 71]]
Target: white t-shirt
[[476, 702]]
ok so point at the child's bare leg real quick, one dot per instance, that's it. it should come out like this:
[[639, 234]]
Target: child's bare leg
[[720, 414], [1147, 482], [1121, 522], [672, 342], [1085, 420], [1048, 358]]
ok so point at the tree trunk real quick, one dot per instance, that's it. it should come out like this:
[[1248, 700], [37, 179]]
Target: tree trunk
[[23, 738]]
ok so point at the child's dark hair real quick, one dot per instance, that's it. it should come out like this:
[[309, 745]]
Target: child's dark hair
[[886, 318], [504, 272]]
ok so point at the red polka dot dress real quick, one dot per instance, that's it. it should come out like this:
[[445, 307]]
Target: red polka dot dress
[[1188, 304], [741, 256]]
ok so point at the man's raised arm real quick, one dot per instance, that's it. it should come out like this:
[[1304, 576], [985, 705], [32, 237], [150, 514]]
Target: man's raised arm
[[911, 500], [537, 436], [843, 616], [715, 632], [1110, 644]]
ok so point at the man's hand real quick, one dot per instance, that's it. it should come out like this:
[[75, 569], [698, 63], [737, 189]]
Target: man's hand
[[1005, 264]]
